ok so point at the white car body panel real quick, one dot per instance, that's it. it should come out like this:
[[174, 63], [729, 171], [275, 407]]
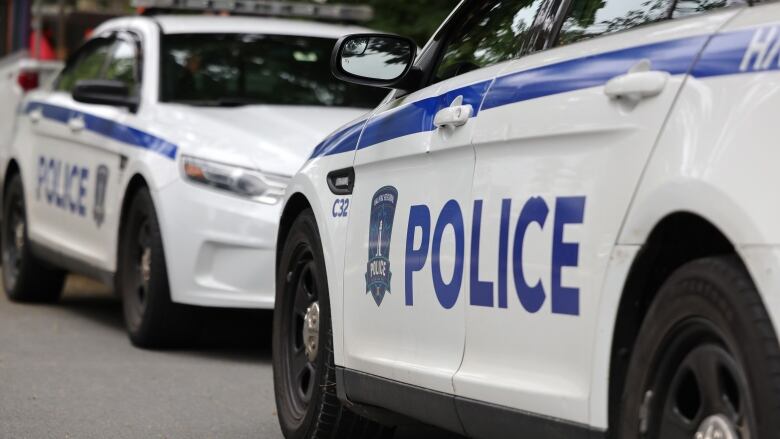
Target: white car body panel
[[422, 344], [219, 247], [11, 94], [571, 145], [704, 145]]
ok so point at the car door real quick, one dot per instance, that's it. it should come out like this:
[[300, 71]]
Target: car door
[[74, 201], [564, 135], [411, 213]]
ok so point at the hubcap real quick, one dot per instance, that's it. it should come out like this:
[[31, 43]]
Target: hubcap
[[138, 274], [716, 427], [302, 314], [144, 262], [311, 331], [146, 265], [698, 389], [19, 236]]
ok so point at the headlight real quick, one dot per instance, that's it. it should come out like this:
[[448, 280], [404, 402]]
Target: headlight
[[245, 182]]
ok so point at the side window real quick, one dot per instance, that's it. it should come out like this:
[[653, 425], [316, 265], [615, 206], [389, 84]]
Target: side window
[[492, 32], [87, 64], [123, 65], [591, 18], [685, 8]]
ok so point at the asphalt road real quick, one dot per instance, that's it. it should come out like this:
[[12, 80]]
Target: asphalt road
[[67, 370]]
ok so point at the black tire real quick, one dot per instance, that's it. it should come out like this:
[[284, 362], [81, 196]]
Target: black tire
[[706, 355], [151, 318], [306, 400], [25, 277]]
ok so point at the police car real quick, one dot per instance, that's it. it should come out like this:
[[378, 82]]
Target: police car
[[561, 224], [158, 160]]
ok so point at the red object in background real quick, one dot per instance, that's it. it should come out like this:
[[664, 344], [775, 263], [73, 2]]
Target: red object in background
[[28, 80], [46, 51]]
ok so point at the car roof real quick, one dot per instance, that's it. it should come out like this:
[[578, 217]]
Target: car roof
[[184, 24]]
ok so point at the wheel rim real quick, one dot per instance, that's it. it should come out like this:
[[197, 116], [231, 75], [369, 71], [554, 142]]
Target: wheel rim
[[139, 269], [301, 347], [700, 390], [14, 240]]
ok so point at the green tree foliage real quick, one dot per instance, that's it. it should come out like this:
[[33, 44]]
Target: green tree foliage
[[417, 19], [491, 33]]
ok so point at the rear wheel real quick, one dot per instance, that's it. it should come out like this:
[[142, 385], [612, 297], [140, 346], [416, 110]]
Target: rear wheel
[[304, 369], [25, 278], [152, 319], [706, 363]]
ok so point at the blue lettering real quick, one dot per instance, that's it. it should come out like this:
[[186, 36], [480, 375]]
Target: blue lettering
[[481, 291], [448, 293], [531, 297], [568, 210], [64, 184], [333, 210], [503, 250], [54, 175], [564, 300], [419, 217], [74, 172], [83, 191], [41, 177], [340, 207]]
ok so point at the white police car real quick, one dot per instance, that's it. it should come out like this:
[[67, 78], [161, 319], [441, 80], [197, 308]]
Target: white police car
[[159, 158], [560, 225]]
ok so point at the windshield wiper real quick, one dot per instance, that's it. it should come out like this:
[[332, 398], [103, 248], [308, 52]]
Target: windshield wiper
[[234, 102], [221, 102]]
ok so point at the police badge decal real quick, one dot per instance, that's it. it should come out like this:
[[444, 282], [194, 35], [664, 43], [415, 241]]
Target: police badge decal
[[380, 230]]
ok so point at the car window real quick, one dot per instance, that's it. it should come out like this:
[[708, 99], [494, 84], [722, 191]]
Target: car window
[[123, 65], [87, 64], [254, 69], [685, 8], [591, 18], [490, 33]]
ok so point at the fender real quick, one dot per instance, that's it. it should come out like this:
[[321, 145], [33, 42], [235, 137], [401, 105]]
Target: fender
[[311, 183], [720, 175], [155, 180]]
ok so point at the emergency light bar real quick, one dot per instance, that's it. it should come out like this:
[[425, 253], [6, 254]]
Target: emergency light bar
[[335, 12]]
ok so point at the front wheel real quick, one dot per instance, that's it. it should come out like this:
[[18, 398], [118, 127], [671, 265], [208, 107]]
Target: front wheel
[[151, 318], [304, 369], [706, 363], [25, 277]]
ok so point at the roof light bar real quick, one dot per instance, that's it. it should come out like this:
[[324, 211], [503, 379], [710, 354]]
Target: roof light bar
[[335, 12]]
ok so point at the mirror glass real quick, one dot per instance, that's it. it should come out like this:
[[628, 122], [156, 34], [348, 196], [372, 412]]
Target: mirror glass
[[376, 57]]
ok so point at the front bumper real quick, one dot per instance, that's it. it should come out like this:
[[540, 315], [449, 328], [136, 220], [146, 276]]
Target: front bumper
[[219, 248]]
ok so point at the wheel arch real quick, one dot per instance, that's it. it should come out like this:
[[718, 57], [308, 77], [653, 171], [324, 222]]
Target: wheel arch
[[296, 204], [676, 239], [136, 182], [11, 169]]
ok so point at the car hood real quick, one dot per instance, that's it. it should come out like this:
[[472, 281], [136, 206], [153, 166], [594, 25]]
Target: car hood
[[273, 138]]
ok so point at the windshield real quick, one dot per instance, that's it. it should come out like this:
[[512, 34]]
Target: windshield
[[245, 69]]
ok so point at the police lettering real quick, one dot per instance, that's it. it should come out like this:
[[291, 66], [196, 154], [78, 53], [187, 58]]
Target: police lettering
[[530, 292], [378, 268], [62, 184], [762, 52]]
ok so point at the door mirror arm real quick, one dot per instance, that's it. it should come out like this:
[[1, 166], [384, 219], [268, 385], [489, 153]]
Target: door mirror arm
[[411, 82]]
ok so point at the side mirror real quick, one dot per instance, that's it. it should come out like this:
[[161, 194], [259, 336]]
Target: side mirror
[[105, 92], [378, 60]]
